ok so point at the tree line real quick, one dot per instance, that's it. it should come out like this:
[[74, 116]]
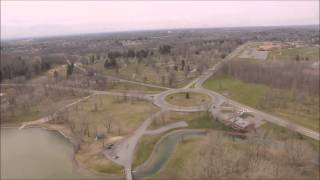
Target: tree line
[[284, 75], [14, 66]]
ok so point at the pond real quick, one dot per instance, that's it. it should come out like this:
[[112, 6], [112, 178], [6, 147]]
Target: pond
[[35, 153]]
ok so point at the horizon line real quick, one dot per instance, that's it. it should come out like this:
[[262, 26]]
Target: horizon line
[[142, 30]]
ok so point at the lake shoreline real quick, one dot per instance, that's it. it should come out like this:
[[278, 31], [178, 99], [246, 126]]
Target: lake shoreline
[[79, 167]]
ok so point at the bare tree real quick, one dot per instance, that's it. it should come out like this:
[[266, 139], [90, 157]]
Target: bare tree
[[172, 79], [108, 124], [296, 153]]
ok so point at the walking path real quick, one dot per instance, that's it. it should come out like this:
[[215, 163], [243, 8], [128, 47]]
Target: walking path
[[52, 116], [122, 153], [167, 127]]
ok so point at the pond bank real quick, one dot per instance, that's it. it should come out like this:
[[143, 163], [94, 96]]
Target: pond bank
[[162, 151]]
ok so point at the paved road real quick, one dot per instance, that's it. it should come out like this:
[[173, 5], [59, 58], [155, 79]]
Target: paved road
[[200, 80], [167, 127], [125, 149]]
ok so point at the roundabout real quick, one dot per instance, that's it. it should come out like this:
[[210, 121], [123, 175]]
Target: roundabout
[[177, 100], [188, 99]]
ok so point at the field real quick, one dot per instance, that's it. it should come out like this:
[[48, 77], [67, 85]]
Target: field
[[281, 103], [280, 133], [175, 166], [199, 120], [91, 157], [129, 87], [16, 106], [114, 116], [141, 72], [279, 54], [291, 54]]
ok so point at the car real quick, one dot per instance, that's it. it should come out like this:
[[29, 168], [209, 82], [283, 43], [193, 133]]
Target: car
[[110, 146]]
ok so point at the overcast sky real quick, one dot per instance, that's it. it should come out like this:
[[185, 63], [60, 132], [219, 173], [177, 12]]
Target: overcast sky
[[42, 18]]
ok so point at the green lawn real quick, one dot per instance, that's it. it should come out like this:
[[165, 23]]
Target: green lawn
[[249, 94], [31, 114], [175, 166], [37, 110], [144, 149], [123, 87], [281, 103], [123, 115], [290, 54], [196, 120], [95, 160]]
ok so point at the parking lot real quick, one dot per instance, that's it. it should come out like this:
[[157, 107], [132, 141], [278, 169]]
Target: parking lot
[[253, 53]]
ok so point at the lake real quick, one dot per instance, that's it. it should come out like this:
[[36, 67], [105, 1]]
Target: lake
[[36, 153]]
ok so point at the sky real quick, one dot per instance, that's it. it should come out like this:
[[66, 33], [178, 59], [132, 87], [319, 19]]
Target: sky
[[47, 18]]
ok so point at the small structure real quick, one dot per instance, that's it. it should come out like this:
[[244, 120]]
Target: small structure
[[269, 46], [236, 121], [242, 124]]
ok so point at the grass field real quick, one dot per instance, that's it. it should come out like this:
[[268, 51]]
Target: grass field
[[126, 87], [40, 110], [282, 103], [198, 120], [91, 156], [174, 168], [41, 106], [143, 73], [144, 149], [290, 54], [281, 133], [194, 99], [123, 115]]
